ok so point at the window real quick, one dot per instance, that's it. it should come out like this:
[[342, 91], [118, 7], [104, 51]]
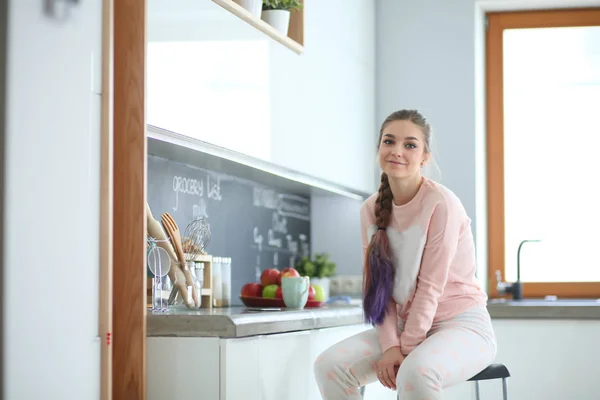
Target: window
[[543, 138]]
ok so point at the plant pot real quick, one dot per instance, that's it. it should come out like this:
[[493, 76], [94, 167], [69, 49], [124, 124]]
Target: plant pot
[[278, 19], [324, 283], [253, 6]]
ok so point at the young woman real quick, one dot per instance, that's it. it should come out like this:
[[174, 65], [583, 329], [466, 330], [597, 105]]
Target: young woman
[[432, 329]]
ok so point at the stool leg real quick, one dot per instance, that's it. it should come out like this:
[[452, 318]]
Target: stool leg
[[477, 395], [504, 389]]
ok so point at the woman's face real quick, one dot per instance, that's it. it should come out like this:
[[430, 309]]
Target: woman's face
[[402, 150]]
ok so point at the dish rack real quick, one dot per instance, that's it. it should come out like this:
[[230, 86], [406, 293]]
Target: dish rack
[[207, 289]]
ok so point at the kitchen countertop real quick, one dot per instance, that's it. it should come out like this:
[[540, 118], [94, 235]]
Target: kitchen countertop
[[544, 309], [240, 321], [233, 322]]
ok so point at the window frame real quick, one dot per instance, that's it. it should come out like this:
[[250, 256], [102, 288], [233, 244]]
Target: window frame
[[497, 22]]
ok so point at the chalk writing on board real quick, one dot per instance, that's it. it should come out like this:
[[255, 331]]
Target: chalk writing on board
[[199, 210], [279, 224], [303, 244], [265, 198], [272, 240], [285, 204], [294, 206], [214, 189], [194, 187], [258, 238], [234, 206], [292, 246]]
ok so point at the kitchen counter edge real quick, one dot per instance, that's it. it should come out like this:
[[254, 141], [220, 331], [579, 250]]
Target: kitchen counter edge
[[561, 309], [239, 322]]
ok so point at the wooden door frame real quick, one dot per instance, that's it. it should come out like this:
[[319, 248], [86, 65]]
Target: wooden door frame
[[128, 334], [497, 22], [3, 59], [106, 203]]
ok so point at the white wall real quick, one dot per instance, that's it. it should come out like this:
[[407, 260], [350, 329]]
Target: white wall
[[335, 229], [51, 203], [430, 57], [425, 60], [548, 359], [233, 86]]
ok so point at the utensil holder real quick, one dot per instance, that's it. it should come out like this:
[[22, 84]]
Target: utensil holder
[[158, 264]]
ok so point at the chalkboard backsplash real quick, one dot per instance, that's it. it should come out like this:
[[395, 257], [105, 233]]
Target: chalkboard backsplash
[[257, 226]]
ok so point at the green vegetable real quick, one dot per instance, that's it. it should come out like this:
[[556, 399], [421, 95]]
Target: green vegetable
[[282, 5], [320, 267]]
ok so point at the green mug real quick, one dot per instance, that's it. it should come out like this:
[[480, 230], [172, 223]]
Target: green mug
[[295, 291]]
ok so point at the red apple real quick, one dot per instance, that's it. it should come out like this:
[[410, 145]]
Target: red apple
[[269, 276], [279, 293], [287, 273], [311, 293], [252, 290]]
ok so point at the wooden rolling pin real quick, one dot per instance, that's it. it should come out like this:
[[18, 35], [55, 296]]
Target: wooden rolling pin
[[176, 274]]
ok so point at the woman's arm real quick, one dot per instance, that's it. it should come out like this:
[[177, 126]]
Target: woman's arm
[[440, 248], [387, 332]]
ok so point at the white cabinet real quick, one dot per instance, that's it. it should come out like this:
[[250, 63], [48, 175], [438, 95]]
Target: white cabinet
[[285, 366], [239, 368], [182, 368], [265, 367]]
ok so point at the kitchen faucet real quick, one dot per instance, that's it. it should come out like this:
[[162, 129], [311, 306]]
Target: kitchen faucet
[[515, 288]]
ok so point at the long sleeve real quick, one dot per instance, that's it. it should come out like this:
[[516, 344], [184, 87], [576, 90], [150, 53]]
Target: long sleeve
[[438, 254], [387, 331]]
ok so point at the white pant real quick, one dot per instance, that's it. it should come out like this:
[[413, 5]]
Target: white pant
[[454, 351]]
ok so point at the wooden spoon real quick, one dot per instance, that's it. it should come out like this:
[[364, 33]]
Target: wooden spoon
[[173, 232], [176, 274]]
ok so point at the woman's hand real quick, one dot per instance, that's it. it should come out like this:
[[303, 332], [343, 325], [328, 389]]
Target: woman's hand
[[387, 367]]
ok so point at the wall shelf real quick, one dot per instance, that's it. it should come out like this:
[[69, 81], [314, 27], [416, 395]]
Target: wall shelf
[[295, 38], [188, 150]]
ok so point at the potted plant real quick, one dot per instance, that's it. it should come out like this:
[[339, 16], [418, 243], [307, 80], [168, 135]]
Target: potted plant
[[253, 6], [319, 270], [277, 13]]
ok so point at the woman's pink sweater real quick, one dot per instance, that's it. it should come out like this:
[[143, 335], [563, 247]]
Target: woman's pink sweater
[[434, 256]]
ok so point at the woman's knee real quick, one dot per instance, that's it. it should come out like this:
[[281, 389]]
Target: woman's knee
[[329, 366], [325, 366], [414, 375]]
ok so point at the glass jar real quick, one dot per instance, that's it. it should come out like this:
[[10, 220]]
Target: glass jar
[[226, 281], [196, 286], [217, 282], [198, 274]]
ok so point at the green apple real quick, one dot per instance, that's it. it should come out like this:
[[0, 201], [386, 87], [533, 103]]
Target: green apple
[[269, 291], [319, 293]]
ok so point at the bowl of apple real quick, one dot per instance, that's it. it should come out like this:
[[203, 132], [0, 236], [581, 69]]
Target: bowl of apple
[[268, 293]]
